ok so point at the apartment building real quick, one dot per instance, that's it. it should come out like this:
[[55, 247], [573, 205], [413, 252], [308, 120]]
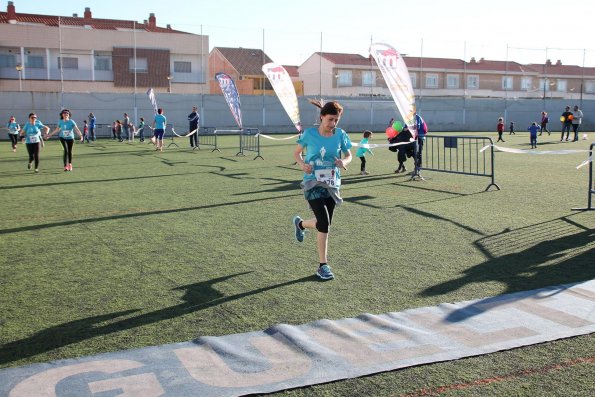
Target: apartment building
[[340, 74], [48, 53]]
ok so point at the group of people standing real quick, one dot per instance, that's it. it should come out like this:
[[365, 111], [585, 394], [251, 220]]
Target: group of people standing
[[571, 119], [568, 119]]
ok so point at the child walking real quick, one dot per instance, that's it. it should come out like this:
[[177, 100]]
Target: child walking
[[533, 129], [361, 151], [500, 127], [86, 131], [512, 128]]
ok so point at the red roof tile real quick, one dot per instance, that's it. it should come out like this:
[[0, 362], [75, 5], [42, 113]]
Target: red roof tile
[[247, 61], [292, 71], [95, 23], [346, 59]]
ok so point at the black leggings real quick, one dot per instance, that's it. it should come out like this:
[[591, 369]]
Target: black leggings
[[363, 166], [67, 145], [14, 138], [33, 150], [323, 209]]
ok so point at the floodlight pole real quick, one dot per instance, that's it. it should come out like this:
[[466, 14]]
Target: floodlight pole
[[19, 69]]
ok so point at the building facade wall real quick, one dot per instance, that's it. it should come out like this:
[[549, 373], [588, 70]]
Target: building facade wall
[[86, 44]]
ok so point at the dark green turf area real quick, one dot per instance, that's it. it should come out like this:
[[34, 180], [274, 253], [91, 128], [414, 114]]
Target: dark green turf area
[[137, 248]]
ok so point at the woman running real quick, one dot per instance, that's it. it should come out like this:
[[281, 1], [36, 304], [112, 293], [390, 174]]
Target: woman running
[[13, 132], [32, 133], [66, 126], [322, 178]]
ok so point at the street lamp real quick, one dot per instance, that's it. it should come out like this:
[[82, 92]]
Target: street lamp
[[19, 69], [169, 79]]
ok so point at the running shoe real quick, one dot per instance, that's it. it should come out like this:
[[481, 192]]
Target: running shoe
[[65, 168], [37, 170], [29, 166], [299, 233], [325, 273], [70, 167]]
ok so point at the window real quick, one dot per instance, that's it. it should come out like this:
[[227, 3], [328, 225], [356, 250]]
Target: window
[[431, 81], [547, 84], [103, 62], [590, 86], [473, 81], [68, 63], [507, 83], [182, 67], [526, 83], [34, 61], [141, 65], [368, 78], [8, 61], [452, 81], [562, 85], [344, 78], [413, 77]]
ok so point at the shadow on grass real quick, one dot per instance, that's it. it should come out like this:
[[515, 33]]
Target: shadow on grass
[[137, 214], [90, 181], [517, 261], [197, 296]]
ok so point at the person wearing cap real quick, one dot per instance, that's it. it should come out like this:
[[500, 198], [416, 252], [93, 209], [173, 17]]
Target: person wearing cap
[[66, 126], [13, 132]]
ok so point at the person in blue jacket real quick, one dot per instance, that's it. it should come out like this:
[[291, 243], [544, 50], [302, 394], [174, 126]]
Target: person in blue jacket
[[66, 128], [422, 130], [31, 131], [533, 130], [92, 124], [324, 145]]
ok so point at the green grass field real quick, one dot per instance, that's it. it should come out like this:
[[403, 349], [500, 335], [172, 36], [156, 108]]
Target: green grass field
[[137, 248]]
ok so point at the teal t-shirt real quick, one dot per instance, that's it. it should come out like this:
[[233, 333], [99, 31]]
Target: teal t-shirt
[[160, 121], [66, 129], [33, 131], [321, 153], [361, 151], [13, 128]]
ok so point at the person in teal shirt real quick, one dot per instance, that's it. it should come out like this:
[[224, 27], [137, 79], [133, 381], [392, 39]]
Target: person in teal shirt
[[159, 124], [67, 128], [13, 132], [324, 146], [32, 133], [361, 151]]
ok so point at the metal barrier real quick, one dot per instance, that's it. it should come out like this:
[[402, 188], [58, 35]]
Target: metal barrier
[[250, 141], [456, 155], [207, 136], [171, 130], [591, 187]]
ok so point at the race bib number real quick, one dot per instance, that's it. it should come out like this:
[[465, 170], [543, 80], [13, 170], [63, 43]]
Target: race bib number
[[33, 139], [67, 133], [328, 176]]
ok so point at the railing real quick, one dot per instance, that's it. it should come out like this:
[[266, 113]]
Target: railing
[[457, 155]]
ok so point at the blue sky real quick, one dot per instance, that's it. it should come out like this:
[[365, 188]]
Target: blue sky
[[290, 31]]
